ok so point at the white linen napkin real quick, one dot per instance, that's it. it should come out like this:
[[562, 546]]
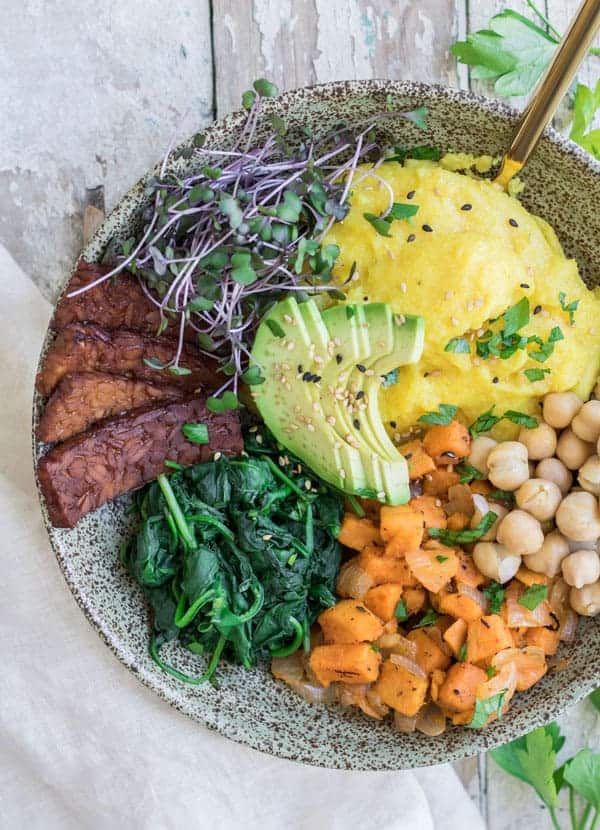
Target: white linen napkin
[[84, 745]]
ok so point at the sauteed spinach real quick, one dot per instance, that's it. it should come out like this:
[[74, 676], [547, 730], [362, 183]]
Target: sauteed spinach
[[236, 557]]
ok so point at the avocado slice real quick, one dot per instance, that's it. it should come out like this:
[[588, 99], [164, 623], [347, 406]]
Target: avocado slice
[[308, 400]]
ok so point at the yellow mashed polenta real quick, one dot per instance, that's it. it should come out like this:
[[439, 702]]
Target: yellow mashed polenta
[[460, 268]]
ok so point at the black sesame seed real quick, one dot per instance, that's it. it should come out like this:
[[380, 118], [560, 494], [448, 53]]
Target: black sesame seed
[[338, 359], [524, 284], [410, 194], [307, 376], [393, 424], [360, 395], [300, 369], [467, 206], [427, 228], [356, 423], [537, 309], [495, 380], [513, 223], [411, 237], [316, 378], [365, 299], [361, 368]]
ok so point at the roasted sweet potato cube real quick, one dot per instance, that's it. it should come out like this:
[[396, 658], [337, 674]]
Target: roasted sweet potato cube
[[400, 689], [382, 567], [356, 533], [349, 621], [459, 605], [383, 599], [414, 599], [457, 692], [483, 488], [429, 655], [437, 678], [354, 663], [439, 482], [456, 636], [402, 524], [486, 637], [431, 509], [543, 638], [458, 521], [433, 567], [468, 571], [418, 461], [529, 578], [447, 444]]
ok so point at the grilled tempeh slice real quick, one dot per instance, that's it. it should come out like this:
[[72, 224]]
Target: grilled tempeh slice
[[83, 398], [122, 454]]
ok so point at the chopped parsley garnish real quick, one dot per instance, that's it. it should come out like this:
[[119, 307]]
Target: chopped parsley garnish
[[458, 345], [485, 708], [429, 618], [462, 653], [402, 211], [536, 374], [441, 418], [401, 612], [570, 308], [495, 594], [468, 473], [505, 342], [441, 559], [484, 423], [491, 671], [516, 317], [196, 433], [521, 419], [503, 495], [382, 224], [533, 596], [464, 537], [421, 152]]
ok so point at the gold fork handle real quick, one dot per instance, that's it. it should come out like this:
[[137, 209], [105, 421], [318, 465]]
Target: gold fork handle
[[551, 88]]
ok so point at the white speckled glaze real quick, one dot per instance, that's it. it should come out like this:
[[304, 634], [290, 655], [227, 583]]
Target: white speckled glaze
[[563, 186]]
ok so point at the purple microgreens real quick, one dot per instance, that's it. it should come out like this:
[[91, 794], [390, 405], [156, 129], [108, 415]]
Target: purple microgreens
[[220, 245]]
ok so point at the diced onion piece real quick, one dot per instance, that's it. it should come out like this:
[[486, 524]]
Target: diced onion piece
[[505, 680], [350, 695], [408, 664], [397, 644], [474, 594], [352, 581], [291, 671], [568, 626], [376, 702], [431, 721], [517, 616], [436, 635], [558, 597], [405, 724], [530, 662], [460, 500]]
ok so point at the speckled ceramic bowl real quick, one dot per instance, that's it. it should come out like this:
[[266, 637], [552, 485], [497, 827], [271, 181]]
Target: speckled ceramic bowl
[[563, 186]]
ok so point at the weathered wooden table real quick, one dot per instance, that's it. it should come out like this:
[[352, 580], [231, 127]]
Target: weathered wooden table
[[91, 94]]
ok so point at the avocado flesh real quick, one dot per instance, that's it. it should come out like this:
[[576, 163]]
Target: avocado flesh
[[288, 415], [350, 459]]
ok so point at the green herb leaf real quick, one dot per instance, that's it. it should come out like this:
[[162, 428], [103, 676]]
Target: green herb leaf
[[265, 88], [532, 759], [153, 363], [458, 345], [242, 271], [570, 308], [484, 423], [402, 211], [200, 304], [401, 612], [512, 51], [462, 653], [180, 370], [227, 401], [583, 774], [533, 596], [441, 559], [289, 209], [382, 226], [390, 379], [275, 327], [585, 107], [491, 671], [430, 618], [536, 374], [595, 699], [253, 376], [418, 116], [516, 317], [495, 594], [503, 495], [464, 537], [196, 433], [231, 208], [468, 473], [521, 419], [443, 417], [485, 708], [248, 98]]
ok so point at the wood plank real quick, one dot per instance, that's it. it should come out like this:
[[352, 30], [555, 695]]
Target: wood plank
[[294, 44]]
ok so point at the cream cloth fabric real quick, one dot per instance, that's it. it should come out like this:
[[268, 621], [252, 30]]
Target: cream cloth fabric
[[84, 745]]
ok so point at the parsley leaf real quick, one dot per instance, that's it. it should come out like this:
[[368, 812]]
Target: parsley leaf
[[275, 327], [585, 106], [521, 419], [485, 708], [533, 596], [468, 473], [532, 758], [495, 594], [503, 495], [196, 433], [536, 374], [398, 211], [429, 618], [401, 612], [583, 774], [570, 308], [441, 559], [442, 418], [484, 423], [462, 653], [402, 211], [382, 226], [458, 345], [595, 698], [491, 671], [464, 537], [516, 317], [513, 52]]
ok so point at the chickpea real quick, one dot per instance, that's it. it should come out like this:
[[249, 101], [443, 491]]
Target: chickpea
[[540, 441], [481, 508], [481, 447], [581, 568], [548, 558], [586, 600], [578, 517], [551, 469], [520, 533], [575, 544], [540, 498], [560, 408], [589, 475], [572, 451], [495, 561], [586, 424], [507, 465]]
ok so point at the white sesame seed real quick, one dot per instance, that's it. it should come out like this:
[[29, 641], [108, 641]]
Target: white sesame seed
[[470, 305], [398, 437], [476, 361], [267, 536], [319, 360], [382, 344], [310, 427], [391, 254], [403, 287], [307, 485], [480, 332], [545, 313], [218, 455], [342, 473], [291, 346], [355, 278], [478, 302], [454, 321], [281, 461], [259, 439], [448, 295], [593, 331], [331, 420], [399, 319], [381, 495], [369, 373], [436, 373], [337, 341], [343, 376], [287, 318], [253, 429], [438, 503]]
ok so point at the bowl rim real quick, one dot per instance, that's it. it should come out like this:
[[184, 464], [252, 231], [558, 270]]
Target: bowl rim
[[478, 740]]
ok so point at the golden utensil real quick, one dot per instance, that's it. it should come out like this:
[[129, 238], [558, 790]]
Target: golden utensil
[[547, 95]]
